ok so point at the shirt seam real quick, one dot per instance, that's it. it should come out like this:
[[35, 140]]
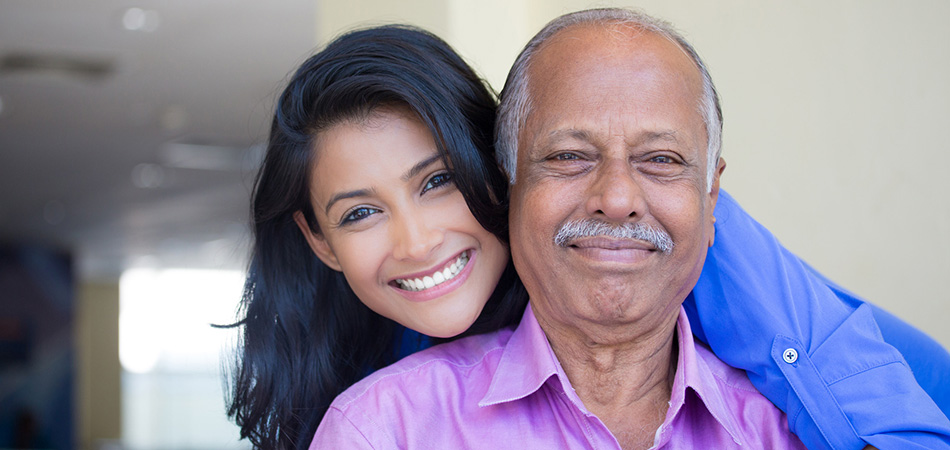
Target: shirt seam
[[866, 369], [579, 417], [721, 382], [524, 390], [361, 433], [415, 368]]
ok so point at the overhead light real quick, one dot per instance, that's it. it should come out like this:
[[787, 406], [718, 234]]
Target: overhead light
[[76, 66], [199, 154], [173, 118], [148, 176], [138, 19]]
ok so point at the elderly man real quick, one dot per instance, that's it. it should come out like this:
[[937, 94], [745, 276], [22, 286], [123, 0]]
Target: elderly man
[[612, 139], [611, 216]]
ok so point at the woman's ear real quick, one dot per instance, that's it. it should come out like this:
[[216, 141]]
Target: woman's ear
[[317, 243]]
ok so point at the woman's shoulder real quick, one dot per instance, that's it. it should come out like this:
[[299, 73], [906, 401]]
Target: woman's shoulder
[[457, 365]]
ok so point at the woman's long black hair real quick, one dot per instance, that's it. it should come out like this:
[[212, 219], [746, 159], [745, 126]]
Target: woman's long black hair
[[305, 336]]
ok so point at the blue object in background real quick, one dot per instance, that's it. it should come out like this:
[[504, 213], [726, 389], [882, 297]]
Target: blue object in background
[[37, 356]]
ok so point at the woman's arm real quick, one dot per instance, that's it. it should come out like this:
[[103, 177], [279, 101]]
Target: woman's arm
[[814, 349]]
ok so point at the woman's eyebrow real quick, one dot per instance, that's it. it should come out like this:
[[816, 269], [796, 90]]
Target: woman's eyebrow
[[413, 171], [346, 195], [419, 167]]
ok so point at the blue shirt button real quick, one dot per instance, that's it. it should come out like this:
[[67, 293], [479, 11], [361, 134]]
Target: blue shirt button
[[790, 355]]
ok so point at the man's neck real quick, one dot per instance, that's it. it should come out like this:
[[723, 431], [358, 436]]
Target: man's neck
[[625, 382]]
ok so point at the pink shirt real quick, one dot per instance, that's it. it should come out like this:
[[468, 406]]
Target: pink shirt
[[507, 390]]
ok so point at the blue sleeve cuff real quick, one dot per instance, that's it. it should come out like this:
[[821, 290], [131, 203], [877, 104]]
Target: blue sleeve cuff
[[810, 393], [905, 423]]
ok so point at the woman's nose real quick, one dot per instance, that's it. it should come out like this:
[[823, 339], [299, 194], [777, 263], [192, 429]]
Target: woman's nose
[[416, 237]]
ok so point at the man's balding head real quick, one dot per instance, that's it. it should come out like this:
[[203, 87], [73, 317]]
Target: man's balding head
[[516, 102]]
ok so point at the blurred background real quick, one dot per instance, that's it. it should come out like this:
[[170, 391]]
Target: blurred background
[[130, 133]]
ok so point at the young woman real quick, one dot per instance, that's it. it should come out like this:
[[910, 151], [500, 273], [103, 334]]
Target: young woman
[[306, 335], [380, 174]]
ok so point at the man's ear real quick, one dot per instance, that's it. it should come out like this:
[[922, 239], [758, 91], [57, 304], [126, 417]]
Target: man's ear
[[714, 197], [317, 243]]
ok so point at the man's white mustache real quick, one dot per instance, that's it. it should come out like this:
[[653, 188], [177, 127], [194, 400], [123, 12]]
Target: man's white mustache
[[576, 229]]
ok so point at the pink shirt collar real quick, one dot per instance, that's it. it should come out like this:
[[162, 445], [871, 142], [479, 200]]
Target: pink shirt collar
[[528, 362]]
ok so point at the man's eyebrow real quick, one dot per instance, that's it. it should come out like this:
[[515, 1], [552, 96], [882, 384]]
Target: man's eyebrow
[[667, 135], [568, 133], [420, 166], [346, 195], [585, 136]]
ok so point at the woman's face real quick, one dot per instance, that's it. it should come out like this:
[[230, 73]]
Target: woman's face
[[392, 220]]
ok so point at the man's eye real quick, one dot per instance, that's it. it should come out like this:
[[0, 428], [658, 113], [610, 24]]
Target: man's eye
[[358, 214], [662, 159], [566, 157], [438, 180]]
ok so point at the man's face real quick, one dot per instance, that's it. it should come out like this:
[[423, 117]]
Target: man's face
[[615, 135]]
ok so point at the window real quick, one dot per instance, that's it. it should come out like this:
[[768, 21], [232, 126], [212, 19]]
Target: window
[[173, 360]]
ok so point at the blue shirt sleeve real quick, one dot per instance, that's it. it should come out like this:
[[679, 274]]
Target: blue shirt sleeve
[[814, 349]]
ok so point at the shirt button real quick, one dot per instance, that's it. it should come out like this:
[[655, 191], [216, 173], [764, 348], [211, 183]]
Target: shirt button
[[790, 355]]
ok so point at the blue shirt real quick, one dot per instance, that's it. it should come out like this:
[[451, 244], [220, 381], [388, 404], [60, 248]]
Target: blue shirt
[[813, 348]]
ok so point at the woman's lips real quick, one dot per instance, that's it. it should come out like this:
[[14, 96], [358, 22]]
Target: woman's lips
[[463, 263], [448, 272]]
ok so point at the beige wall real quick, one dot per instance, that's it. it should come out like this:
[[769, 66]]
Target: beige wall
[[834, 121], [99, 373]]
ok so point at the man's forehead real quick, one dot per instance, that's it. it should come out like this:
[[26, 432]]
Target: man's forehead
[[589, 77], [583, 135], [604, 32], [587, 48]]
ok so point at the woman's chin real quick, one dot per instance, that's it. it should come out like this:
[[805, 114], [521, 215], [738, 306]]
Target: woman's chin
[[445, 325], [445, 330]]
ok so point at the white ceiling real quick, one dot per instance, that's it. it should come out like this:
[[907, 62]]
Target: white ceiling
[[138, 146]]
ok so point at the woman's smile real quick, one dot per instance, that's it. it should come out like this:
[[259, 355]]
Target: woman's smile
[[425, 281]]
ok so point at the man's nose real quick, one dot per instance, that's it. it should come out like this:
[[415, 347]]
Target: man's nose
[[415, 236], [615, 194]]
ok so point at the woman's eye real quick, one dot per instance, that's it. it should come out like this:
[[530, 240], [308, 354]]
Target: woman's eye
[[358, 214], [438, 180]]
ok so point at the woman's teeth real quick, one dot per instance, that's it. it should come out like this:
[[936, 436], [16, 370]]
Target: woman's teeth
[[447, 273]]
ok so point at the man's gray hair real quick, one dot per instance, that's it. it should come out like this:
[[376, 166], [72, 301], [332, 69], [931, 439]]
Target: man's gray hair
[[516, 104], [585, 228]]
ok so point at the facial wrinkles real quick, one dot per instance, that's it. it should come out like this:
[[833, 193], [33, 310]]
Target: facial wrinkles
[[689, 78], [627, 124], [618, 126]]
